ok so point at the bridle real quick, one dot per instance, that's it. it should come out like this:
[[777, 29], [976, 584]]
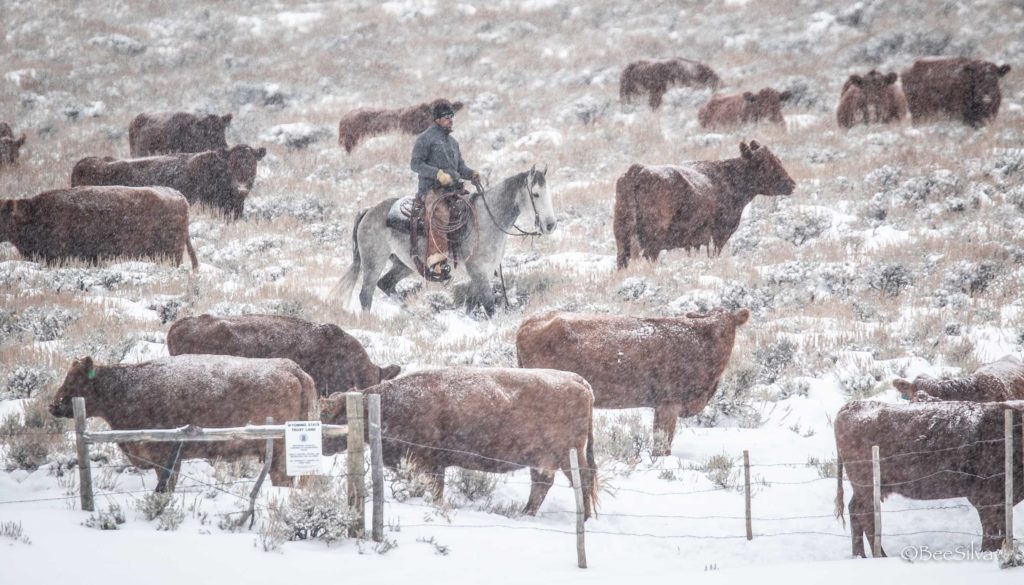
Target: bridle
[[533, 204]]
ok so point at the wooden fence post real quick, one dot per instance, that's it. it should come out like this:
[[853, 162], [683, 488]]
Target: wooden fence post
[[84, 469], [1008, 420], [876, 480], [746, 481], [577, 484], [377, 468], [356, 486]]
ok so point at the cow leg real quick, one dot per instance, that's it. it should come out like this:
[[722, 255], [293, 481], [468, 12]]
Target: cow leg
[[278, 470], [665, 419], [867, 518], [541, 482], [655, 99], [437, 484], [479, 291], [993, 523], [651, 254], [856, 511]]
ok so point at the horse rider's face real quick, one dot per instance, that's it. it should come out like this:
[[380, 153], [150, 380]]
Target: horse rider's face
[[445, 122]]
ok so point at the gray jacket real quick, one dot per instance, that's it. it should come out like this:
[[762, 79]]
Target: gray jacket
[[436, 149]]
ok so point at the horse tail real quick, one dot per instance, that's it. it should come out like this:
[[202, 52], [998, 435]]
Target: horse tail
[[839, 489], [343, 290], [624, 223]]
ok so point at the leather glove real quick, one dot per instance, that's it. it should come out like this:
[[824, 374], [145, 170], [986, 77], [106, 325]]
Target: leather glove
[[444, 178]]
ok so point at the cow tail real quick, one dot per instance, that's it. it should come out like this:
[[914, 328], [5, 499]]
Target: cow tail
[[592, 468], [624, 221], [839, 490], [344, 288], [191, 251]]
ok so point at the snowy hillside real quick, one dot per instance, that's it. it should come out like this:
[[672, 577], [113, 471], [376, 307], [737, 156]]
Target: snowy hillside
[[901, 252]]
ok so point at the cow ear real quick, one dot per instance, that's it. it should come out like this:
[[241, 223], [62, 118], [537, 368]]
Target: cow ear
[[745, 150], [891, 77], [21, 140], [260, 153], [741, 316], [857, 80], [754, 145], [1003, 70], [458, 106], [389, 372], [784, 96], [87, 366], [748, 96]]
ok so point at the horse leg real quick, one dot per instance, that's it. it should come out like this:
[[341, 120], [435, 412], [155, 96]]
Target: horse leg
[[391, 278], [540, 483], [479, 291]]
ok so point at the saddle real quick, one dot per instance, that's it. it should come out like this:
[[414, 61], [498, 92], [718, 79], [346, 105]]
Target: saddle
[[406, 216]]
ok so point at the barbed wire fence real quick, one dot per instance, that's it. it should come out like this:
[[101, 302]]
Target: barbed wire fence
[[356, 472]]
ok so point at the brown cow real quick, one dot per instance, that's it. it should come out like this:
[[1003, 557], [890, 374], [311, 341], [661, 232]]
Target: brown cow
[[364, 122], [745, 108], [928, 451], [208, 391], [671, 364], [697, 203], [171, 132], [90, 223], [9, 145], [871, 98], [655, 78], [336, 360], [1000, 380], [219, 178], [488, 419], [953, 87]]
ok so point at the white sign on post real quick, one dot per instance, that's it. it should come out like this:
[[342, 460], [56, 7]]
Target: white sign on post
[[303, 446]]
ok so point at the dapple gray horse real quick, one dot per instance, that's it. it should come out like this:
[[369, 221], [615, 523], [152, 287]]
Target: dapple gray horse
[[496, 211]]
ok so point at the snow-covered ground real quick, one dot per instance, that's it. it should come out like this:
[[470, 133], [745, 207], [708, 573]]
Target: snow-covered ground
[[900, 253]]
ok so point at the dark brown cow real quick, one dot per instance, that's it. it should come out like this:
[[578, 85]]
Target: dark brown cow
[[656, 77], [219, 178], [872, 98], [953, 87], [89, 223], [697, 203], [10, 147], [928, 451], [671, 364], [365, 122], [208, 391], [487, 419], [745, 108], [336, 360], [171, 132], [998, 381]]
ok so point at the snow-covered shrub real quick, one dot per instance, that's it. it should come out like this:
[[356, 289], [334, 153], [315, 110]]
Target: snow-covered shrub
[[827, 468], [940, 186], [168, 307], [295, 136], [880, 48], [110, 519], [25, 382], [1015, 197], [625, 438], [408, 480], [634, 288], [266, 94], [474, 485], [34, 442], [46, 323], [885, 177], [317, 512], [806, 93], [889, 279], [736, 295], [971, 278], [720, 470], [585, 110], [799, 227], [119, 44], [773, 358], [14, 531], [859, 383]]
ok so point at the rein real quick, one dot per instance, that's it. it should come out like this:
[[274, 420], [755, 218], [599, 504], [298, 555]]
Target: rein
[[536, 214]]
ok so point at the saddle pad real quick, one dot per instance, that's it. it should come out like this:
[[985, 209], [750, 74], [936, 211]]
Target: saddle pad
[[397, 219]]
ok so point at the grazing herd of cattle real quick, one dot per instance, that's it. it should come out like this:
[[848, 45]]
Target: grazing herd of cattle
[[239, 370]]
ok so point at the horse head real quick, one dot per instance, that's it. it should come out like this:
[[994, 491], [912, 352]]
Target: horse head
[[534, 196]]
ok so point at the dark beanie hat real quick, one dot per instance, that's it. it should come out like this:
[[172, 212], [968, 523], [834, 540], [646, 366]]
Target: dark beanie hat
[[442, 110]]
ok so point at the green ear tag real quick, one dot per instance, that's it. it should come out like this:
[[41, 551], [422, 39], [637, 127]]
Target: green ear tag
[[91, 374]]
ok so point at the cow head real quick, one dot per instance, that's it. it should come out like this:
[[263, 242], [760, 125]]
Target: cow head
[[10, 149], [764, 105], [765, 174], [875, 89], [78, 382], [389, 372], [982, 95], [210, 130], [242, 161], [905, 388]]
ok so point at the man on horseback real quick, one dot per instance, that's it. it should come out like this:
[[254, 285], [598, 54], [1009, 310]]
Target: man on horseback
[[437, 160]]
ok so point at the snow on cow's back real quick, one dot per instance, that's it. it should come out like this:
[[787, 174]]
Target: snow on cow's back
[[211, 373], [687, 171], [167, 194], [924, 415]]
